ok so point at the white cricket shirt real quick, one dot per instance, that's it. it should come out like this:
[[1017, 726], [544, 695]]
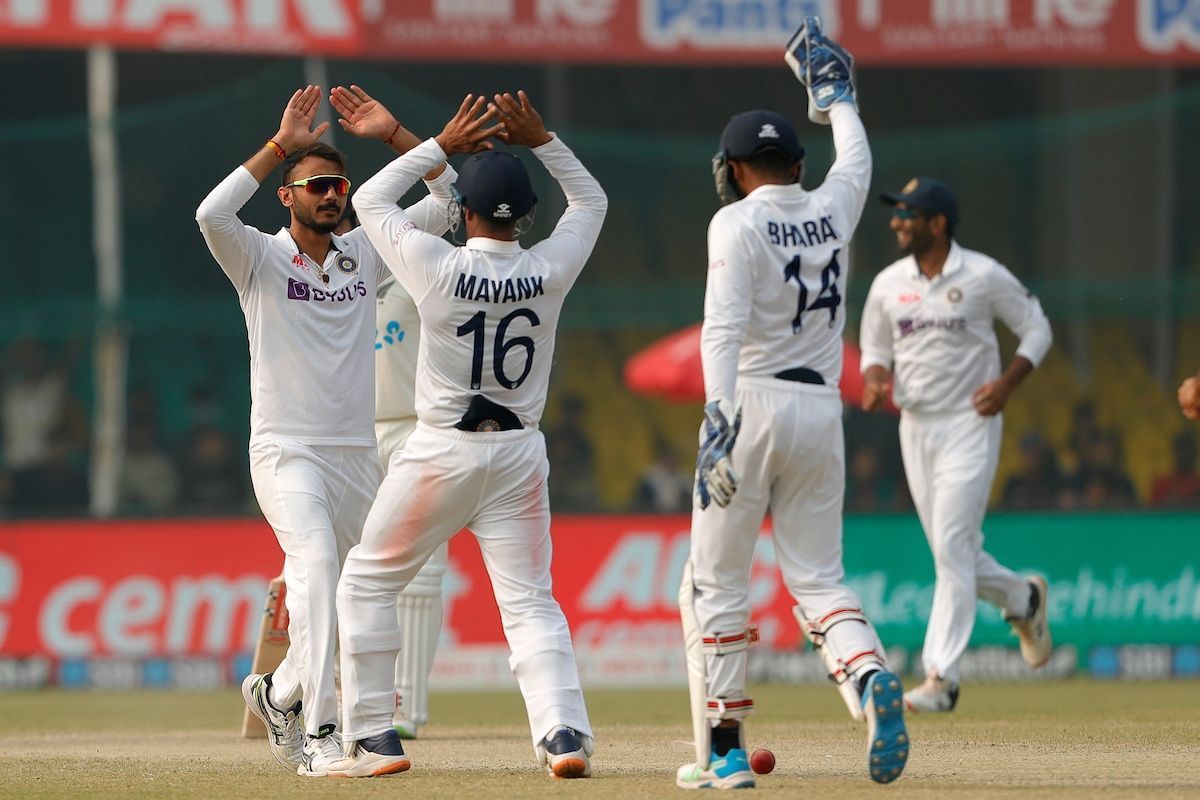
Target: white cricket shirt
[[488, 310], [939, 336], [777, 270], [312, 369], [397, 334]]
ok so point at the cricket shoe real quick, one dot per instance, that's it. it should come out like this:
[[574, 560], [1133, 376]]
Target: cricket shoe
[[731, 771], [1033, 628], [566, 753], [935, 694], [887, 738], [405, 728], [320, 752], [284, 734], [381, 754]]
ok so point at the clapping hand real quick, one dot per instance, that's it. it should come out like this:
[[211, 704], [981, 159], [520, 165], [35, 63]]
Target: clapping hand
[[362, 115], [521, 122], [295, 129], [469, 129]]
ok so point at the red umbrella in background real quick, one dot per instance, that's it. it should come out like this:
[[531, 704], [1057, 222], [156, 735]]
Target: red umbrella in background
[[671, 368]]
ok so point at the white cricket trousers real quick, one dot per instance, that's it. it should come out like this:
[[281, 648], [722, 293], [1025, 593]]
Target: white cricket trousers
[[789, 458], [950, 460], [441, 482], [424, 592], [316, 498]]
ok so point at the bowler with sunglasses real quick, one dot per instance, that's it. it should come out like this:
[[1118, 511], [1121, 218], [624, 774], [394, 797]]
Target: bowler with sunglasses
[[308, 296], [928, 338]]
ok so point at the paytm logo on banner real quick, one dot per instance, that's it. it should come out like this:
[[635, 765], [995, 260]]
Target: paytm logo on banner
[[716, 24], [1165, 24]]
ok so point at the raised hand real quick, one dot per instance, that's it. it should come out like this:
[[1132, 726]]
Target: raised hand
[[295, 129], [469, 129], [522, 123], [362, 115]]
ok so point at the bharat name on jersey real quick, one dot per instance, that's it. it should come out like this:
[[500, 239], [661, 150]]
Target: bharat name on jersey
[[778, 268]]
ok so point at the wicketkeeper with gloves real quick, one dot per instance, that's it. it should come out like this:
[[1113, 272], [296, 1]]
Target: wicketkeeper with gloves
[[772, 441]]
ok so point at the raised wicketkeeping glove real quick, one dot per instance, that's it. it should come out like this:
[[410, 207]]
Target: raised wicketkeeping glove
[[716, 481], [823, 66]]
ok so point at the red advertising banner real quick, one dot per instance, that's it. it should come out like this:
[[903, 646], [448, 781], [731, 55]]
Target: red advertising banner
[[937, 32], [181, 587], [295, 27]]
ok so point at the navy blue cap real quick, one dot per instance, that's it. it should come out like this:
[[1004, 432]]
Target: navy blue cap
[[496, 185], [751, 132], [928, 195]]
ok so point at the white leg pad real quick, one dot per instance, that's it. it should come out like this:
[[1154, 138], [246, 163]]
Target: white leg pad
[[849, 647], [419, 609], [706, 710]]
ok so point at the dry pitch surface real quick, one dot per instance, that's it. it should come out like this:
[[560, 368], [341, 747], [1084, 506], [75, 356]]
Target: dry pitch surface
[[1076, 739]]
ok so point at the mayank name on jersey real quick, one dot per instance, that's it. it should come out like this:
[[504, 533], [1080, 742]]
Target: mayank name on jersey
[[506, 291], [806, 234]]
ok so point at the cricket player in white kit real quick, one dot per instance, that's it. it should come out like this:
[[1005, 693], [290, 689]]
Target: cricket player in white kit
[[397, 334], [929, 321], [307, 298], [477, 460], [771, 346]]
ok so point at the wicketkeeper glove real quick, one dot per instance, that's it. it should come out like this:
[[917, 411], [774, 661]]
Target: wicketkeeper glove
[[823, 66], [716, 480]]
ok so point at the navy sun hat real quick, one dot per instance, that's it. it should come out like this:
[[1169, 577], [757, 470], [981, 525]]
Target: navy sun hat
[[927, 195], [496, 185], [751, 132]]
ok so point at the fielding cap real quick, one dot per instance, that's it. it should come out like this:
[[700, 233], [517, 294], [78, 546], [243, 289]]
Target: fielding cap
[[496, 185], [928, 195], [751, 132]]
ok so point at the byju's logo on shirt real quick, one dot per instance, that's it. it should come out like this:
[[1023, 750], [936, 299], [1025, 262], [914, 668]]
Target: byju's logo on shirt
[[298, 290]]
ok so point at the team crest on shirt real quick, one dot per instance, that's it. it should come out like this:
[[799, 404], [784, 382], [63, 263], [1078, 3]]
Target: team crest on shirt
[[346, 264], [954, 295]]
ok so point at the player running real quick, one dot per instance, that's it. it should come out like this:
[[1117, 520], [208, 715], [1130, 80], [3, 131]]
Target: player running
[[307, 298], [931, 317], [477, 460], [771, 346]]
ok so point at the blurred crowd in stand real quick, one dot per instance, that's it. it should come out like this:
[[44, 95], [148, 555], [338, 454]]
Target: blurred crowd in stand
[[200, 468]]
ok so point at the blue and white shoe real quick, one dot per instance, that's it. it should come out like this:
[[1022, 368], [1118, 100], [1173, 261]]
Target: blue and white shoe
[[730, 772], [566, 753], [887, 738]]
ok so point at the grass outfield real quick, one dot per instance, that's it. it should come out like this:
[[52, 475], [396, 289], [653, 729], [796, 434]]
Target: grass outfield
[[1074, 739]]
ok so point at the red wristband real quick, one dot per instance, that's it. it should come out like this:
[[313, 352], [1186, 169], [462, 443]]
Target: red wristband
[[395, 130], [276, 149]]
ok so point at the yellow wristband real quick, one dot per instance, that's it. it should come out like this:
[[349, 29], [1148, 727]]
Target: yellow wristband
[[276, 149]]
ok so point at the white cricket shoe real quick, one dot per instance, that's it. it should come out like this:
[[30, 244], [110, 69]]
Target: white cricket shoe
[[887, 736], [934, 695], [405, 728], [320, 752], [284, 734], [566, 753], [1033, 628], [377, 755]]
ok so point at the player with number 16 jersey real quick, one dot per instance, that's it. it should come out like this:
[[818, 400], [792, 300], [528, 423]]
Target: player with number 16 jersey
[[476, 460]]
